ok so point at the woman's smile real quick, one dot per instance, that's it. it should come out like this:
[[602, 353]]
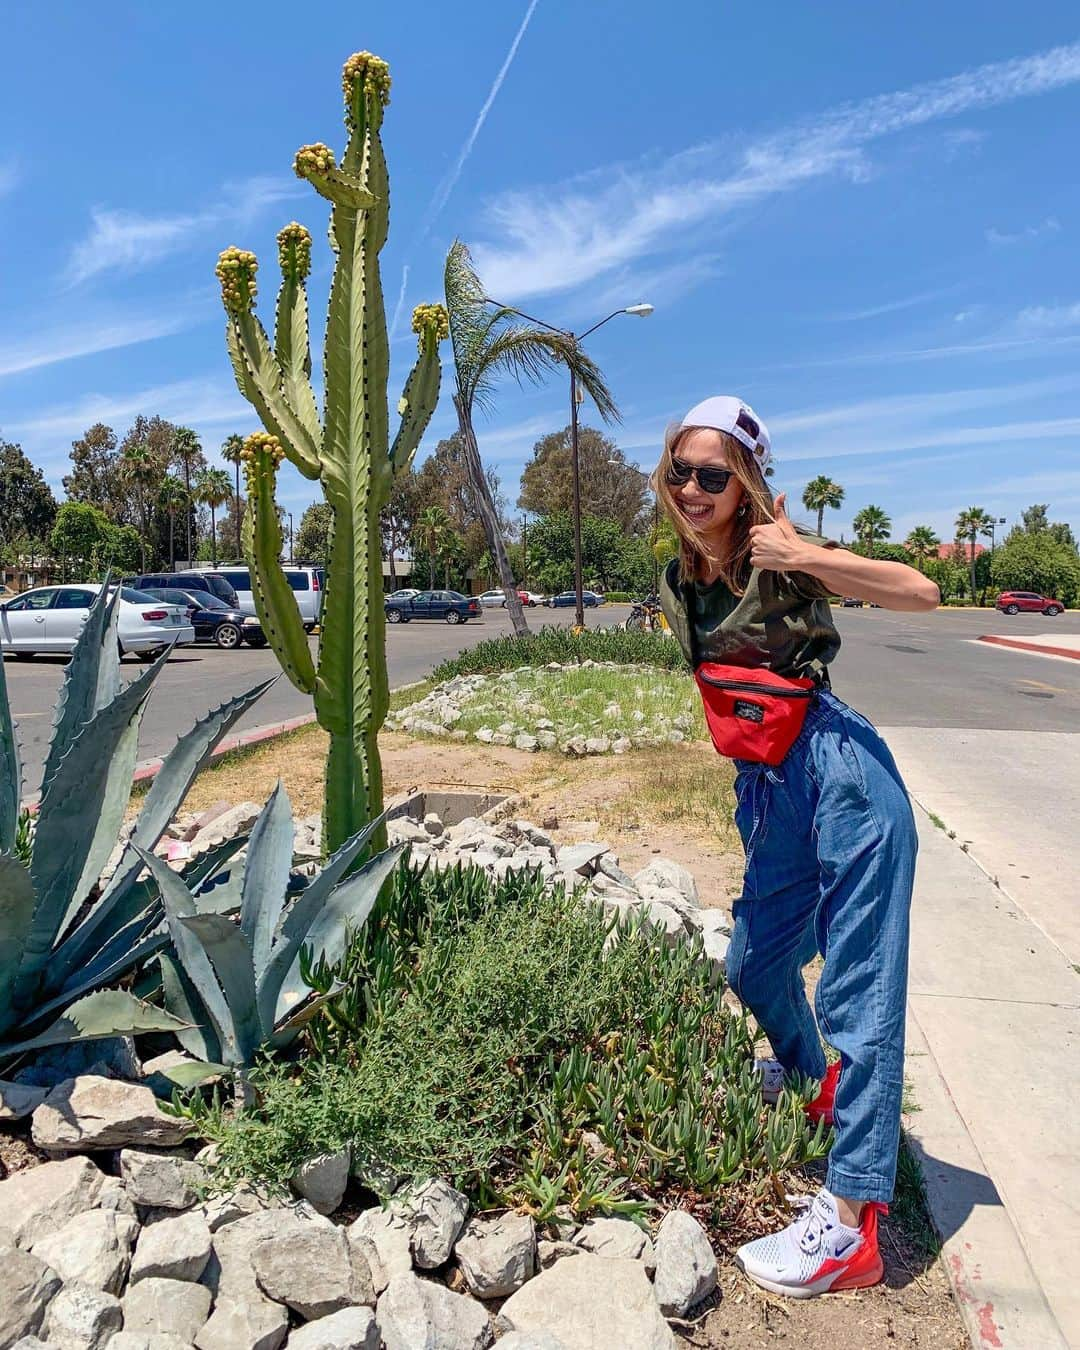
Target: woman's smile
[[698, 512]]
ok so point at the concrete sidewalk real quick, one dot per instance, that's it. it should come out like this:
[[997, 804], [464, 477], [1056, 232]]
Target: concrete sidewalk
[[994, 1032]]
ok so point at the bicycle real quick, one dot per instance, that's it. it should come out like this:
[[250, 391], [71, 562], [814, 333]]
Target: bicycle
[[644, 618]]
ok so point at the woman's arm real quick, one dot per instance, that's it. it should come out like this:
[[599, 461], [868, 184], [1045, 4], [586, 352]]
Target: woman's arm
[[780, 548]]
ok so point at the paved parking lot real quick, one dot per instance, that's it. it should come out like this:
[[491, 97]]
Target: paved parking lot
[[901, 670]]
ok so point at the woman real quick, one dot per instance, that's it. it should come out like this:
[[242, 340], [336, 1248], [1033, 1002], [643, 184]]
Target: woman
[[828, 830]]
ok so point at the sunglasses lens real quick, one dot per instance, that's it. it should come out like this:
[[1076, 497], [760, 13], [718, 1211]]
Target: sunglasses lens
[[679, 472], [714, 480]]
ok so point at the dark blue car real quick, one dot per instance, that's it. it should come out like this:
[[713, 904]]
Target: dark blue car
[[568, 599], [450, 606], [213, 620]]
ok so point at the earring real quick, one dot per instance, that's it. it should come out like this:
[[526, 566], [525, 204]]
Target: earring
[[743, 508]]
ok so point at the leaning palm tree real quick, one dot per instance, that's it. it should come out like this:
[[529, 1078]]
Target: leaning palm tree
[[819, 493], [871, 524], [922, 543], [969, 523], [213, 489], [141, 468], [432, 527], [230, 452], [488, 341], [172, 497]]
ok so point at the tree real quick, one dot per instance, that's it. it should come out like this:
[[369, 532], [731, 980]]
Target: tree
[[871, 524], [488, 341], [607, 489], [230, 452], [213, 489], [80, 537], [922, 543], [95, 473], [819, 493], [188, 457], [313, 536], [27, 505], [1038, 561], [142, 473], [1034, 521], [398, 517], [444, 479], [432, 527], [610, 559], [172, 497], [969, 523]]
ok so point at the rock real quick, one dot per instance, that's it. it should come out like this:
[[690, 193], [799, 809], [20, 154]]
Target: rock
[[597, 745], [236, 1204], [549, 1251], [575, 747], [621, 744], [485, 735], [315, 1270], [155, 1077], [506, 728], [664, 919], [92, 1112], [616, 1238], [497, 1254], [664, 873], [531, 1340], [173, 1307], [608, 867], [414, 1313], [249, 1323], [433, 825], [350, 1329], [82, 1319], [524, 741], [147, 1340], [322, 1180], [40, 1200], [20, 1099], [435, 1214], [114, 1057], [92, 1249], [581, 858], [716, 946], [550, 822], [230, 1273], [27, 1287], [591, 1303], [113, 1195], [161, 1180], [546, 740], [174, 1248], [685, 1264], [502, 738], [388, 1232], [236, 820]]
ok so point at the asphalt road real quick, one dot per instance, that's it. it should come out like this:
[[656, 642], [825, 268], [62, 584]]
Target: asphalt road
[[900, 670]]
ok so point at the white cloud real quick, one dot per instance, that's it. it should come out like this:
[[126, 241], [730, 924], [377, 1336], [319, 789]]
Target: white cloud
[[1045, 317], [891, 306], [192, 402], [68, 341], [128, 241], [550, 239], [9, 176], [1027, 235]]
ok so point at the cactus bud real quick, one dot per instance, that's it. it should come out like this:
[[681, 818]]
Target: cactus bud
[[365, 74], [313, 159], [430, 319], [262, 453], [236, 268], [294, 251]]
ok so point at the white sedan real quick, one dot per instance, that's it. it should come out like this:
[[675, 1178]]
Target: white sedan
[[50, 619]]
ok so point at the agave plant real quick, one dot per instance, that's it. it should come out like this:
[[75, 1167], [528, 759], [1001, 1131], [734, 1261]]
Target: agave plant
[[64, 935], [239, 986]]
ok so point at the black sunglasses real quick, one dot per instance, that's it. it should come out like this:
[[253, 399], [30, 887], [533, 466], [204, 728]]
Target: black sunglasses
[[709, 478]]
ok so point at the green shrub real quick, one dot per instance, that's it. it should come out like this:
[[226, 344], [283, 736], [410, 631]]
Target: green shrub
[[559, 644], [484, 1031], [617, 597]]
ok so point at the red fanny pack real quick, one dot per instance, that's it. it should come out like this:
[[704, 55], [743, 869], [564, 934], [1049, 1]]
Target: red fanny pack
[[753, 714]]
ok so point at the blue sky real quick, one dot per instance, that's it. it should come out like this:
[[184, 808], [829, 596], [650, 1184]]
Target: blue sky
[[862, 218]]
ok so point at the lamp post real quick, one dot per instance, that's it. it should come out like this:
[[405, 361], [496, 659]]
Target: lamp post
[[289, 513], [994, 523], [640, 311]]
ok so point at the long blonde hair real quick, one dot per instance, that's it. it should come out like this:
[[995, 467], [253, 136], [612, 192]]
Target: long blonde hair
[[756, 508]]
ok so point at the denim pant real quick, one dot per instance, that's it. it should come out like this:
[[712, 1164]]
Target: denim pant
[[830, 860]]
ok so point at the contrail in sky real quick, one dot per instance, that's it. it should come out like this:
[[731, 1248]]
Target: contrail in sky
[[400, 301]]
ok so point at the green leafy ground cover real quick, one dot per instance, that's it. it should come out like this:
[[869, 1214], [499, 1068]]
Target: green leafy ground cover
[[560, 644]]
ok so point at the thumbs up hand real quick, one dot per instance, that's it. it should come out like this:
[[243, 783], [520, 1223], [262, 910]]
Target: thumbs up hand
[[777, 547]]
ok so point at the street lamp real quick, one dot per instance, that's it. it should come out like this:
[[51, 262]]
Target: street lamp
[[289, 514], [640, 311]]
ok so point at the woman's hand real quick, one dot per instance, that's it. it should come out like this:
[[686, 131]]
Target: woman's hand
[[778, 547]]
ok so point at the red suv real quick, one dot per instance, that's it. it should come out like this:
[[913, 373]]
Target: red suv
[[1013, 602]]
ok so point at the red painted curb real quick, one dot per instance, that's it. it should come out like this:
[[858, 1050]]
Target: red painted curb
[[150, 767], [1022, 646]]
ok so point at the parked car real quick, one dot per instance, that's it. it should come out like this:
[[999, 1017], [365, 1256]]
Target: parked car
[[492, 599], [50, 619], [568, 599], [307, 585], [851, 602], [451, 606], [192, 580], [405, 593], [213, 620], [1027, 602], [253, 633]]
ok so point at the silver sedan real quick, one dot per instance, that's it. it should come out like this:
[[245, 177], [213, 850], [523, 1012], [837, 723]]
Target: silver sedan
[[50, 619]]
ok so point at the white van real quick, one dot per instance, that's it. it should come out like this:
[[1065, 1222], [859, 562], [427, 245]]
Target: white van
[[306, 582]]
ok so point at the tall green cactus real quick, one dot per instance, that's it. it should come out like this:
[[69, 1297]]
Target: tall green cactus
[[347, 449]]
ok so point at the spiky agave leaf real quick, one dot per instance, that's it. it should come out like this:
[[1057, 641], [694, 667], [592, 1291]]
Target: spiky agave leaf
[[10, 771], [99, 1016]]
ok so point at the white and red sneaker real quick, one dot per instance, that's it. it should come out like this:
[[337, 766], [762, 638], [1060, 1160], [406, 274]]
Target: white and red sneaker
[[817, 1253], [772, 1083]]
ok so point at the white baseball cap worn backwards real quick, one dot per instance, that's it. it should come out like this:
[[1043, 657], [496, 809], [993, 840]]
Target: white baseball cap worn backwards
[[738, 419]]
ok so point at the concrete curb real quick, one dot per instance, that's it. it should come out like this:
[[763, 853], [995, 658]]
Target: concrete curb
[[1040, 648]]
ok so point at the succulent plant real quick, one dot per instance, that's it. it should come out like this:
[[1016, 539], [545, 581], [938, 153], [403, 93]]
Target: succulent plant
[[238, 987], [64, 933], [347, 448]]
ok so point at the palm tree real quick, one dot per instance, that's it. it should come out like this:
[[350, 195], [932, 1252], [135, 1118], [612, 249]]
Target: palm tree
[[819, 493], [922, 543], [230, 452], [141, 469], [432, 526], [871, 524], [213, 489], [187, 453], [969, 523], [488, 341], [171, 498]]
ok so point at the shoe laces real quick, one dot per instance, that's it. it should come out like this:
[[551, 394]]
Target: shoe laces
[[811, 1225]]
